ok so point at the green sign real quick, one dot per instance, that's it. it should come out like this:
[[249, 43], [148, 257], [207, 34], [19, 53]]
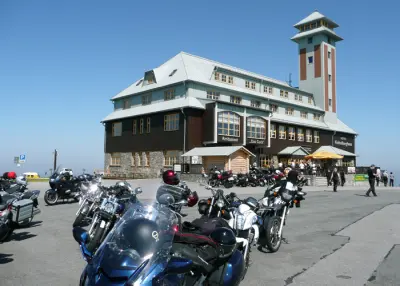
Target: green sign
[[360, 177]]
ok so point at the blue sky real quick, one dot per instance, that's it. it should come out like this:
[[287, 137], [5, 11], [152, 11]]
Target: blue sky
[[61, 62]]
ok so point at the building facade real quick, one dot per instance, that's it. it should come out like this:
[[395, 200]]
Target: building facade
[[190, 102]]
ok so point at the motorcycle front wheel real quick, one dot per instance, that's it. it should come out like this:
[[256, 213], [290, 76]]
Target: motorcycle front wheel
[[79, 220], [95, 241], [273, 240], [51, 198]]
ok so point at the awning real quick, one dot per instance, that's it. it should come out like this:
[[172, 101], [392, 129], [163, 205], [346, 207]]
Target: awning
[[216, 151], [324, 155], [294, 150], [335, 150]]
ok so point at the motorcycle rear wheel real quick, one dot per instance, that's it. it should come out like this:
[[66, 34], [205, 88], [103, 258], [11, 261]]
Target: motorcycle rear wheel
[[51, 198]]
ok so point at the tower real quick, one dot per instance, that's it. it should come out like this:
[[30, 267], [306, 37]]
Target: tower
[[317, 60]]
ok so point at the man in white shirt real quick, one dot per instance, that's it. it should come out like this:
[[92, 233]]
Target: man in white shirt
[[301, 166], [378, 176]]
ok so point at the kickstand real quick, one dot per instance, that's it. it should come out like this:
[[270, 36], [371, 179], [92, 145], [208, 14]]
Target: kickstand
[[285, 240]]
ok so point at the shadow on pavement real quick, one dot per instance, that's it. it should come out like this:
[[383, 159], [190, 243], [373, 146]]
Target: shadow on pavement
[[361, 195], [22, 236], [5, 258], [32, 224]]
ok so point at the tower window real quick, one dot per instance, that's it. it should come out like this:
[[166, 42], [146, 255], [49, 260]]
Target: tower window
[[329, 55], [330, 77], [310, 60], [330, 102], [309, 40]]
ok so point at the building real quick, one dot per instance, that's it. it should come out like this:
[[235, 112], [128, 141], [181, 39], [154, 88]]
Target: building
[[190, 102]]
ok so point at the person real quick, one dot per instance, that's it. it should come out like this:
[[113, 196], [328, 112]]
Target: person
[[371, 179], [328, 177], [342, 177], [301, 166], [378, 176], [391, 178], [385, 178], [335, 179]]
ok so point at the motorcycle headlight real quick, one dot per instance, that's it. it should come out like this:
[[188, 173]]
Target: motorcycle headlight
[[109, 207], [220, 204]]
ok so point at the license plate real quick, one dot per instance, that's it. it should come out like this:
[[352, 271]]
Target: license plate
[[102, 224], [230, 179]]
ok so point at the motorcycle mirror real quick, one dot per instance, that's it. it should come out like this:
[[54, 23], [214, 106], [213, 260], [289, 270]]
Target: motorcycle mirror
[[177, 265], [138, 190], [80, 235]]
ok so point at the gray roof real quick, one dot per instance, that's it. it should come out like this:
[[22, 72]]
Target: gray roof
[[321, 29], [215, 151], [155, 107], [335, 150], [313, 17], [294, 150]]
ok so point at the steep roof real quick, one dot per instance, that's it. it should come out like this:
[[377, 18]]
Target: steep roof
[[321, 29], [216, 151], [313, 17]]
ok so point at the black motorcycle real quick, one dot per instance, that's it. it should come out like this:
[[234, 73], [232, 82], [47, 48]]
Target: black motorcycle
[[64, 187]]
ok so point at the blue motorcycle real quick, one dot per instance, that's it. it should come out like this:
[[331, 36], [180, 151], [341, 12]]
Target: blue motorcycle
[[146, 248]]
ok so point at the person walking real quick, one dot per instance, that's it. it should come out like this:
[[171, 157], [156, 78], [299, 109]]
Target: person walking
[[328, 177], [385, 178], [371, 179], [335, 179], [378, 176], [342, 177], [391, 179]]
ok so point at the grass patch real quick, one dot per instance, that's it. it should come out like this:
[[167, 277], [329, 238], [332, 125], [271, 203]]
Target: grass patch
[[38, 180]]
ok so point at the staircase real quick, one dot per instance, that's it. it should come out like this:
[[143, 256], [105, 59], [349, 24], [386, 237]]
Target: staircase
[[320, 182]]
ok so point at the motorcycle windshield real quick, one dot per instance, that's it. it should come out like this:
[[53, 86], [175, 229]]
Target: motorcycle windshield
[[139, 245]]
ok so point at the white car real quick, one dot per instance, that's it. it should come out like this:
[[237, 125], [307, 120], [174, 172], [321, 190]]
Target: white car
[[66, 170]]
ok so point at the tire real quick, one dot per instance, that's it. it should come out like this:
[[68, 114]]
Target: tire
[[228, 185], [6, 234], [79, 219], [246, 263], [271, 232], [51, 198], [261, 183], [95, 242]]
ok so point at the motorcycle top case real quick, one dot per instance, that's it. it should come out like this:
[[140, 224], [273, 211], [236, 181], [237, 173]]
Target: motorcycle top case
[[22, 210]]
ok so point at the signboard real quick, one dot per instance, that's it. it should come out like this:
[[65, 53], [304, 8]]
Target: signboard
[[255, 141], [351, 170], [22, 158], [344, 142], [228, 139], [177, 168], [360, 178], [16, 160]]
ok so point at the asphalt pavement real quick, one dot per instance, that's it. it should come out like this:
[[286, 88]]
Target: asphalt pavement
[[339, 238]]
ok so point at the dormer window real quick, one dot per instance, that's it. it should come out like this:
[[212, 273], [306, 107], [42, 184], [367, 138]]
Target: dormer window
[[149, 78], [309, 40]]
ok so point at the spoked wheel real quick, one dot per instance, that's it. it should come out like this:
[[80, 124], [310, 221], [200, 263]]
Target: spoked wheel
[[273, 241], [79, 220], [262, 184], [51, 198]]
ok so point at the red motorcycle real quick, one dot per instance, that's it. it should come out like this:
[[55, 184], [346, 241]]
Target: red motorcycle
[[220, 177]]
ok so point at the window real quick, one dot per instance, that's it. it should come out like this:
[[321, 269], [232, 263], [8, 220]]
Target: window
[[115, 159], [308, 136], [272, 132], [292, 134], [148, 125], [127, 103], [146, 99], [330, 102], [223, 78], [247, 84], [316, 136], [309, 40], [256, 127], [310, 60], [317, 117], [282, 132], [147, 159], [330, 77], [303, 114], [270, 90], [173, 72], [309, 100], [255, 103], [236, 99], [281, 93], [213, 95], [289, 111], [117, 129], [169, 94], [171, 157], [141, 126], [228, 124], [139, 159], [216, 76], [133, 159], [296, 97], [230, 79], [273, 107], [329, 55], [300, 134], [171, 122], [300, 98], [134, 127], [253, 85], [286, 94]]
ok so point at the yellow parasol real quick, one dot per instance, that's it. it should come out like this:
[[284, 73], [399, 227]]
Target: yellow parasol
[[323, 155]]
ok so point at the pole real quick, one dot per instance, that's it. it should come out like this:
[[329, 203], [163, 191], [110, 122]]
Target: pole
[[55, 160]]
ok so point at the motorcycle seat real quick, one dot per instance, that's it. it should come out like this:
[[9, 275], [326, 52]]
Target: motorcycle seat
[[3, 207], [4, 199], [201, 257]]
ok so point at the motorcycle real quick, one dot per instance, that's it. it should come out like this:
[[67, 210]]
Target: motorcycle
[[89, 202], [20, 190], [62, 187], [110, 211], [217, 178], [127, 258]]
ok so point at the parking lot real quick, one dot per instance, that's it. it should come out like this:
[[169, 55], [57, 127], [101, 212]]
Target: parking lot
[[339, 238]]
